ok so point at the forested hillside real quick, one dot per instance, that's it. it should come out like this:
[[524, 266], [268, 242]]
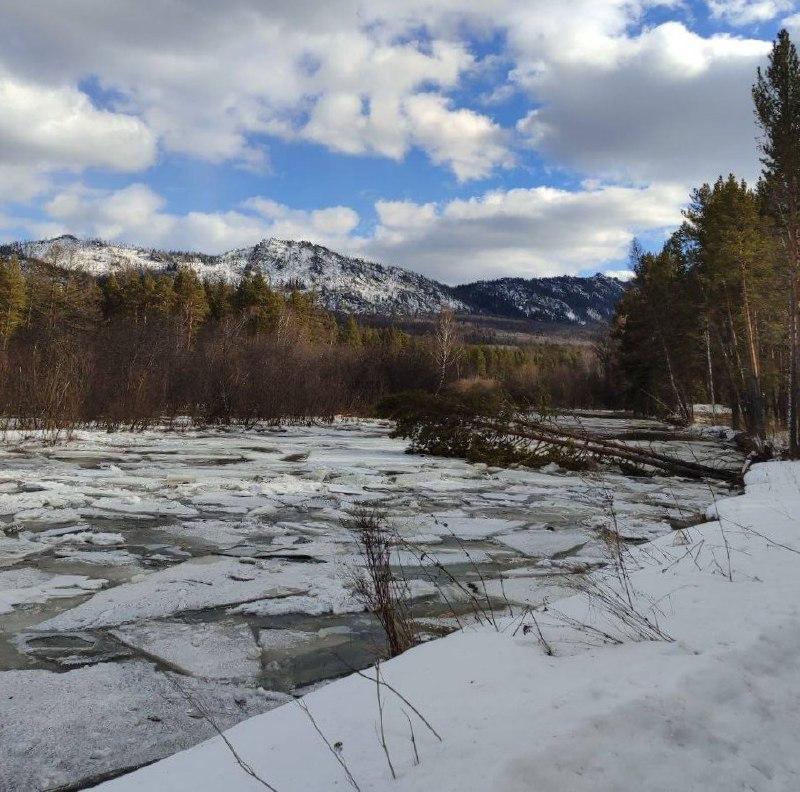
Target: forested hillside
[[341, 283], [136, 347]]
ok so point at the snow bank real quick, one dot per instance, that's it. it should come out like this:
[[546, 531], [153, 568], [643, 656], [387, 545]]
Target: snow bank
[[716, 708]]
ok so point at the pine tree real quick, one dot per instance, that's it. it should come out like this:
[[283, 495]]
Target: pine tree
[[261, 306], [479, 361], [220, 297], [189, 302], [776, 95], [12, 298], [733, 263], [657, 333], [351, 334]]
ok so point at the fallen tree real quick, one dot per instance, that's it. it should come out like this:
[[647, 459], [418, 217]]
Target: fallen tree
[[491, 430]]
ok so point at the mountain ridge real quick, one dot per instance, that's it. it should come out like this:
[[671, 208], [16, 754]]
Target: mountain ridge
[[345, 283]]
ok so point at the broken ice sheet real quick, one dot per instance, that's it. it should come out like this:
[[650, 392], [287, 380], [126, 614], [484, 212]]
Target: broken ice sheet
[[28, 586], [223, 649], [13, 549], [424, 557], [75, 535], [135, 507], [629, 527], [98, 557], [466, 526], [129, 714], [540, 542], [218, 533], [192, 585]]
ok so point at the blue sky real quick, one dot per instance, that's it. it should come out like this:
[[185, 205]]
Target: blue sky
[[462, 139]]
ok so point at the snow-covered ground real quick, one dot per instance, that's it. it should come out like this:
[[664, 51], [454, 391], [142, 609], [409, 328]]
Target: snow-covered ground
[[715, 705], [219, 556]]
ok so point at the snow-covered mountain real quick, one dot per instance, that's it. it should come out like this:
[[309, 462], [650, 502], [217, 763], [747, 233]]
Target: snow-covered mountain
[[345, 283], [562, 299]]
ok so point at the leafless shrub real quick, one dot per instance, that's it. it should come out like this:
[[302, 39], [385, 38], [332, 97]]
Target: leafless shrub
[[476, 596], [613, 593], [625, 615], [412, 738], [375, 583], [393, 690], [526, 628]]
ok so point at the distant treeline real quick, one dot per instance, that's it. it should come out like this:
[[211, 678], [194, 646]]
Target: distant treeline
[[137, 348], [715, 316]]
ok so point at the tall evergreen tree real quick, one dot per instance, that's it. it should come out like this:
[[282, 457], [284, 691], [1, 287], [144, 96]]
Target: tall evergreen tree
[[220, 296], [656, 331], [12, 298], [189, 303], [351, 334], [261, 306], [730, 246], [776, 95]]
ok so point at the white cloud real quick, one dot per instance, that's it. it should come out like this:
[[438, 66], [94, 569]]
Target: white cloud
[[136, 214], [134, 210], [43, 129], [670, 105], [330, 223], [658, 107], [748, 12], [401, 215], [21, 183], [472, 144], [207, 77], [210, 79], [524, 232]]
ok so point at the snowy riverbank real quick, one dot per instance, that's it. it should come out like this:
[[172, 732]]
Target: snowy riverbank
[[715, 708]]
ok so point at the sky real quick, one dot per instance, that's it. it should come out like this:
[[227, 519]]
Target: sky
[[463, 139]]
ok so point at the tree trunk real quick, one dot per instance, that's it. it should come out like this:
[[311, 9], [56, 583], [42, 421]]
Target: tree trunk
[[711, 393], [794, 371]]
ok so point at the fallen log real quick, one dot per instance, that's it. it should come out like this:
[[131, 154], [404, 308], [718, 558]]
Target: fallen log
[[584, 444], [612, 447], [507, 440]]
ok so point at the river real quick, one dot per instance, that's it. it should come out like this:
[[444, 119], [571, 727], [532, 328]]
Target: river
[[150, 580]]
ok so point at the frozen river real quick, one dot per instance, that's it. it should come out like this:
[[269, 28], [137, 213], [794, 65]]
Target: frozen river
[[149, 578]]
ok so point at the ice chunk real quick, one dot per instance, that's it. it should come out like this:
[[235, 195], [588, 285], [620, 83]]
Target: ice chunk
[[191, 585], [28, 586], [213, 650], [539, 541], [129, 714]]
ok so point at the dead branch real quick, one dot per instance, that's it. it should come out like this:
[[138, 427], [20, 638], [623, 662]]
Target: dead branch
[[303, 706]]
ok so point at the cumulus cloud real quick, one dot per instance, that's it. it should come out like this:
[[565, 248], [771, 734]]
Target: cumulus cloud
[[655, 109], [669, 105], [137, 214], [329, 223], [51, 128], [207, 78], [213, 79], [522, 232], [748, 12], [469, 142]]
